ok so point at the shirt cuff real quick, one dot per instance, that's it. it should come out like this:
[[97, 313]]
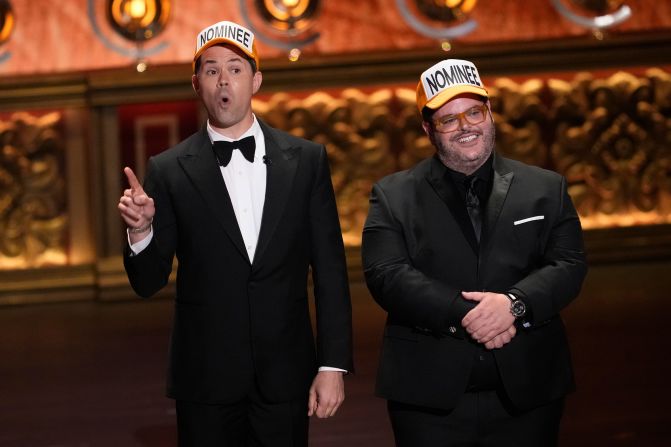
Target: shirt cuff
[[330, 368], [137, 247]]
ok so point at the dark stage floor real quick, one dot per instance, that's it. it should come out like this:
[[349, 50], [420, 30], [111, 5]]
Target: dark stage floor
[[92, 374]]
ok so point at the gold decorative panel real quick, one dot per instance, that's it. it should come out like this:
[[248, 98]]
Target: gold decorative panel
[[613, 142], [367, 136], [33, 215], [610, 137]]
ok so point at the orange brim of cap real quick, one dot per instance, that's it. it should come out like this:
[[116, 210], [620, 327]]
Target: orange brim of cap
[[441, 98], [223, 40]]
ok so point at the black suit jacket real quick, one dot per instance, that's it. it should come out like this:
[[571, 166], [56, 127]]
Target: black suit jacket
[[418, 258], [238, 320]]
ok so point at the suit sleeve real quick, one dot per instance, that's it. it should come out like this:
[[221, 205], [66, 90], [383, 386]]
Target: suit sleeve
[[558, 279], [407, 294], [329, 272], [149, 270]]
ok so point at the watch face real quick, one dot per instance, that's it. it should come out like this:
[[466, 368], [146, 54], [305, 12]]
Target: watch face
[[518, 309]]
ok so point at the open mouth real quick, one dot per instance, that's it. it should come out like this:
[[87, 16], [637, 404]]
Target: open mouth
[[467, 138]]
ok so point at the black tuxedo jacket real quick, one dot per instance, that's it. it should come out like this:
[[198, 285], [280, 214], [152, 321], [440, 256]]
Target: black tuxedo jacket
[[418, 257], [238, 319]]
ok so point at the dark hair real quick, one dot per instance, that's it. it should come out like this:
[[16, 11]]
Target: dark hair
[[251, 61], [427, 114]]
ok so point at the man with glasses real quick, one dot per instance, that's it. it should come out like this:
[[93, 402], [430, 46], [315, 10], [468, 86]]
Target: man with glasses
[[473, 256]]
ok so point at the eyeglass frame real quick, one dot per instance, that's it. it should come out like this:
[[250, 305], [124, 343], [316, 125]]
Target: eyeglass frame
[[461, 117]]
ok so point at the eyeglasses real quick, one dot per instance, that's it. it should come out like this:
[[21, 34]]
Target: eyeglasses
[[450, 123]]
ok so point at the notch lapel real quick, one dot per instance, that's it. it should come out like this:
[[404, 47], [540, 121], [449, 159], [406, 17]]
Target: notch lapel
[[202, 168]]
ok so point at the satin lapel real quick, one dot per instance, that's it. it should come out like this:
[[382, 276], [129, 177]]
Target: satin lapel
[[201, 166], [500, 185], [436, 178], [279, 181]]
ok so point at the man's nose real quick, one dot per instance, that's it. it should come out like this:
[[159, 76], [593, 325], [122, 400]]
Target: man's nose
[[462, 121]]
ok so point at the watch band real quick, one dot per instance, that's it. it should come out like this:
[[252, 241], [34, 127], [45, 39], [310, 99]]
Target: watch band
[[518, 307]]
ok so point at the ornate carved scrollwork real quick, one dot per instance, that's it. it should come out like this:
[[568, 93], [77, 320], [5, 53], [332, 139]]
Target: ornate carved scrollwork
[[613, 142], [33, 213], [367, 136]]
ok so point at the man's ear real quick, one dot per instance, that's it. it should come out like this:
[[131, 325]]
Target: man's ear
[[195, 83], [427, 128], [256, 82], [489, 108]]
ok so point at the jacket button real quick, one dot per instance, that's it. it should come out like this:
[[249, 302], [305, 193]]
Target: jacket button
[[452, 329]]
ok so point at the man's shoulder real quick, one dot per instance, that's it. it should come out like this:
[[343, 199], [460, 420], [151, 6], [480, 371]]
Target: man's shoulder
[[403, 179], [528, 170], [285, 139], [187, 145]]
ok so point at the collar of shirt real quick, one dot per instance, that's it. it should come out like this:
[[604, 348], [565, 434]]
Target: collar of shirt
[[254, 130], [484, 173], [246, 185]]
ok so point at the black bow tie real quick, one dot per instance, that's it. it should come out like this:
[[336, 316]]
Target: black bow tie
[[224, 149]]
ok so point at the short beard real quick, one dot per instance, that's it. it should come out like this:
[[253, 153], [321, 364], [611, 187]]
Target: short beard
[[455, 162]]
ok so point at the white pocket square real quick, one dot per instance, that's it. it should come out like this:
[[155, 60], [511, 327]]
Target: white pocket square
[[528, 219]]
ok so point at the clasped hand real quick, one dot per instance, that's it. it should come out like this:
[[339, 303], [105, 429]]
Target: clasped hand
[[490, 322]]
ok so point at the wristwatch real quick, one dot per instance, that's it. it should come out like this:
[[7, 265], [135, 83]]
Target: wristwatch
[[517, 306]]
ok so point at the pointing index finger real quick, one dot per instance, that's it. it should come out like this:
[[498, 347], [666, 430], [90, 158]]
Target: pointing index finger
[[132, 180]]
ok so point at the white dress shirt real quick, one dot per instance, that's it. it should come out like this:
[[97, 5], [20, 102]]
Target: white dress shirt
[[246, 185]]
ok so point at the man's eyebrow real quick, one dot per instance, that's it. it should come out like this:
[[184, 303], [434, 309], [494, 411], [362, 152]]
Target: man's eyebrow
[[231, 59]]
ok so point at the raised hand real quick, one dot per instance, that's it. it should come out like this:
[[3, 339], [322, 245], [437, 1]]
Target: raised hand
[[136, 208]]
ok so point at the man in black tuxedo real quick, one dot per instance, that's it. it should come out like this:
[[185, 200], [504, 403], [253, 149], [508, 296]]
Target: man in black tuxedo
[[248, 210], [473, 256]]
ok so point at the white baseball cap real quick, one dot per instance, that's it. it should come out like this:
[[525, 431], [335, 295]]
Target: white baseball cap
[[447, 79], [226, 33]]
